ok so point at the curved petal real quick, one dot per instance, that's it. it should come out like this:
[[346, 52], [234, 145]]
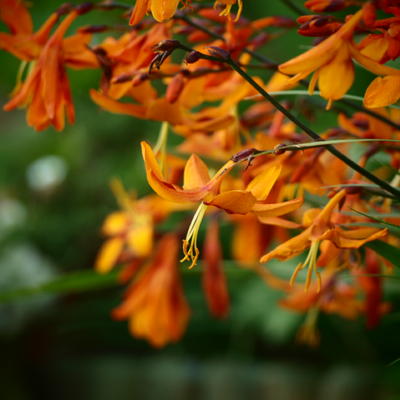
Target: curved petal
[[276, 209], [163, 9], [382, 91], [195, 174], [234, 201], [262, 184]]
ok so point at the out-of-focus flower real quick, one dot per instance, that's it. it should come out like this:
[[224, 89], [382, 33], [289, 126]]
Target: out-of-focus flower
[[228, 6], [163, 10], [214, 280], [155, 304], [46, 90], [160, 9], [22, 42]]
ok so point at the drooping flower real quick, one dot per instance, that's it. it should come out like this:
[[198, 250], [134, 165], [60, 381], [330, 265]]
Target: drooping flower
[[161, 10], [22, 42], [321, 229], [155, 304], [46, 90], [330, 61], [214, 280]]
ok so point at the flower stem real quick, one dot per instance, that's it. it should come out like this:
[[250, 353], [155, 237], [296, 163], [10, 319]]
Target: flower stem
[[272, 65], [311, 133]]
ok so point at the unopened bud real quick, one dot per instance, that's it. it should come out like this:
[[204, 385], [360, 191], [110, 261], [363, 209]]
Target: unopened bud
[[193, 57], [167, 45], [218, 52], [175, 88], [84, 8]]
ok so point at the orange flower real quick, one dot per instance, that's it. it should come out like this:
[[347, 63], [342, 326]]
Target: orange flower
[[160, 9], [196, 182], [383, 92], [228, 5], [321, 228], [46, 90], [163, 10], [331, 62], [155, 304], [22, 42], [214, 280]]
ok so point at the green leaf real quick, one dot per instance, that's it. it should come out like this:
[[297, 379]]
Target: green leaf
[[394, 229], [70, 283], [386, 251]]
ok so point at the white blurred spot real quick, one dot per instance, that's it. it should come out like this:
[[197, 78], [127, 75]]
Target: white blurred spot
[[46, 173], [12, 214]]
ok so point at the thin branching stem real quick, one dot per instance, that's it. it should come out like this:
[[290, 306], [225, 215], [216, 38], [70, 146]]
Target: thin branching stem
[[311, 133], [272, 65]]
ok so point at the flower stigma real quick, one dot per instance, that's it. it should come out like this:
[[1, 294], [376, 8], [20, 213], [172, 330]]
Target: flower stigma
[[311, 263], [190, 249]]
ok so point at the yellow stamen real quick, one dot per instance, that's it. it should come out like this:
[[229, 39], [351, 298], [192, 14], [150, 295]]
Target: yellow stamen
[[123, 198], [161, 145], [308, 332], [311, 263], [190, 249], [228, 5]]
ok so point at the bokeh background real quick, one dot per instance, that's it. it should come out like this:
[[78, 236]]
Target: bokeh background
[[60, 343]]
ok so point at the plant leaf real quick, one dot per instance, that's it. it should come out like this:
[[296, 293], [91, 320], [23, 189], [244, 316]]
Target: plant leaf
[[386, 251], [70, 283]]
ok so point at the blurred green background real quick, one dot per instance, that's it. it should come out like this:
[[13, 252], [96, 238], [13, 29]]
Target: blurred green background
[[54, 195]]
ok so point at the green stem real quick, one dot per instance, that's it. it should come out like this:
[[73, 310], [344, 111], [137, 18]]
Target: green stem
[[311, 133], [272, 65], [294, 8]]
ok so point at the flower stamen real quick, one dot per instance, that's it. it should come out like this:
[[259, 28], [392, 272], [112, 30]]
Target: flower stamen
[[311, 264], [189, 247]]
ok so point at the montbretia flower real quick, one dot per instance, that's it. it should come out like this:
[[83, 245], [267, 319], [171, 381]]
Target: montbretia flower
[[197, 183], [22, 42], [228, 6], [383, 92], [214, 280], [330, 61], [46, 90], [199, 187], [161, 10], [155, 304], [321, 228]]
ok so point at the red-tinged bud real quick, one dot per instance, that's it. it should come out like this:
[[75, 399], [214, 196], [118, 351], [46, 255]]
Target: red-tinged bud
[[372, 286], [193, 57], [369, 14], [260, 39], [167, 45], [279, 149], [175, 88], [93, 29], [214, 280], [218, 52], [140, 78], [122, 78], [64, 9], [317, 25], [84, 8], [284, 22], [244, 155]]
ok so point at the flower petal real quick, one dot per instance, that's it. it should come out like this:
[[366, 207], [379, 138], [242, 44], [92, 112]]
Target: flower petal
[[262, 184], [234, 201], [382, 91]]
